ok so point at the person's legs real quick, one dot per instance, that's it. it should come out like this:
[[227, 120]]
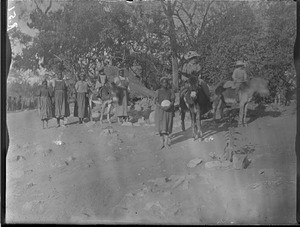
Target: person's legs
[[58, 121], [167, 141], [162, 137]]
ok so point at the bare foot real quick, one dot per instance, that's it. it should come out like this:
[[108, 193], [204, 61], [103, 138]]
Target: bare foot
[[162, 146]]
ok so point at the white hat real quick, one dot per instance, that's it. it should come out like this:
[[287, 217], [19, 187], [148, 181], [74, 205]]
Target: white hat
[[240, 63], [191, 54]]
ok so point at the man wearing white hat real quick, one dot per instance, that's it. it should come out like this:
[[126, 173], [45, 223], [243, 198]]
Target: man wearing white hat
[[239, 75]]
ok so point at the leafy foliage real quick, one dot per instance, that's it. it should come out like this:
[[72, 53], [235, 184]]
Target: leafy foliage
[[155, 36]]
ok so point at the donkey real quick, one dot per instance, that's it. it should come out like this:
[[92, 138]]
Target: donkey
[[193, 99], [245, 94], [107, 95]]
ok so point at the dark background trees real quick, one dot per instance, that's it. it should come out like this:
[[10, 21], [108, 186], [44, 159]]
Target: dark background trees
[[156, 35]]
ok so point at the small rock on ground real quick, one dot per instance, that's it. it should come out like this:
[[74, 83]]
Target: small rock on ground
[[213, 164], [194, 162]]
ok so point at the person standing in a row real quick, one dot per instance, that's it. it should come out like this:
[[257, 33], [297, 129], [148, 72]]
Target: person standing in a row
[[9, 104], [45, 103], [122, 106], [81, 88], [60, 98], [164, 112]]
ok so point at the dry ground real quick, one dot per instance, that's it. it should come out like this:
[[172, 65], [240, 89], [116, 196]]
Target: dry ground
[[117, 174]]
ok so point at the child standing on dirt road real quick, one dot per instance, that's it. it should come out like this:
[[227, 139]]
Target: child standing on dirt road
[[81, 88], [45, 96], [60, 96], [164, 100]]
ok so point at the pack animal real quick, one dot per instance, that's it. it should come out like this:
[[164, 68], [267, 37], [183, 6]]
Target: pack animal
[[194, 100], [106, 96], [245, 94]]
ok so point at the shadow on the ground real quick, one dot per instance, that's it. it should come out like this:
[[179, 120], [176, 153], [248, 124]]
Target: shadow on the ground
[[210, 127]]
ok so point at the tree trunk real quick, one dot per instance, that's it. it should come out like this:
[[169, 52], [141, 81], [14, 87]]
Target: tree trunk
[[175, 72]]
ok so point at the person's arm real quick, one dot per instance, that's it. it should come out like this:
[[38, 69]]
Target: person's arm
[[245, 75], [156, 99], [234, 74], [76, 86]]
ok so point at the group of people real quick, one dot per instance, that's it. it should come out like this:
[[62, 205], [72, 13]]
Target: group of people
[[165, 99], [20, 103], [53, 99]]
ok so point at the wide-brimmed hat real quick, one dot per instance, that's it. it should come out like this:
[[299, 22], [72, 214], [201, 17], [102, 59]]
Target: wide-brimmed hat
[[240, 63], [164, 78]]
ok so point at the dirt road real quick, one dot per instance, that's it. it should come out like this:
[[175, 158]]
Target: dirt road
[[117, 174]]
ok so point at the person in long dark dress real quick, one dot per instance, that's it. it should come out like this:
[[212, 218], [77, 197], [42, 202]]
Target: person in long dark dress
[[81, 88], [122, 105], [45, 103], [60, 98], [164, 114]]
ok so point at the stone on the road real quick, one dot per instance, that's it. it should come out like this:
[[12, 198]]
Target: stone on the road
[[127, 124], [179, 181], [110, 158], [194, 162], [213, 164]]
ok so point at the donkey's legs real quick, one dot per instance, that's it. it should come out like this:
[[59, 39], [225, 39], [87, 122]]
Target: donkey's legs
[[241, 114], [102, 112], [108, 112], [182, 119], [198, 125], [245, 114], [216, 107], [193, 123]]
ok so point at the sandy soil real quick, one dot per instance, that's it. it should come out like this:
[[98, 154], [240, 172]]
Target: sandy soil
[[117, 174]]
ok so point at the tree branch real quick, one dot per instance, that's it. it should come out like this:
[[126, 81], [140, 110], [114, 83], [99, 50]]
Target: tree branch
[[185, 28], [204, 19], [48, 8]]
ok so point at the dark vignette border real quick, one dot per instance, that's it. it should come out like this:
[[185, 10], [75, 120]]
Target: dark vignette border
[[297, 145], [3, 107], [3, 138]]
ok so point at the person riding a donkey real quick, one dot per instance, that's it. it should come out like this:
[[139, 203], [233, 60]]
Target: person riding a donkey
[[239, 76], [102, 80]]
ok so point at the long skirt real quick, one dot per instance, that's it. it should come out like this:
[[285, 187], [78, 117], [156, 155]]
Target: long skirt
[[81, 109], [46, 108], [61, 104], [122, 105], [164, 121]]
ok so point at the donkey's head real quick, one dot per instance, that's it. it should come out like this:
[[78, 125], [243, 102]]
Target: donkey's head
[[192, 93]]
